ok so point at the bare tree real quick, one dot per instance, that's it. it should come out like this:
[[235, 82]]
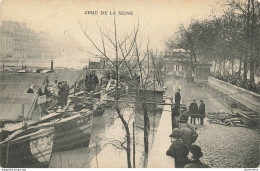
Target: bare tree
[[112, 47]]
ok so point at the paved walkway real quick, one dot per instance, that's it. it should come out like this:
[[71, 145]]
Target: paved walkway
[[223, 146], [228, 147], [157, 157]]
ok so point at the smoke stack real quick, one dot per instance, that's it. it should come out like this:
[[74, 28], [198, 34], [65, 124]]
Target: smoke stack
[[51, 65]]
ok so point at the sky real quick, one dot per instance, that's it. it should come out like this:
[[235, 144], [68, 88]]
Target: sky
[[158, 19]]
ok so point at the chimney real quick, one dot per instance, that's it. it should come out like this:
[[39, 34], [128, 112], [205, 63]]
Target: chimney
[[51, 65]]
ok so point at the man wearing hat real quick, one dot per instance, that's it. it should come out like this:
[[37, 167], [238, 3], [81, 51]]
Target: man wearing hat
[[193, 111], [66, 92], [194, 155], [202, 111], [178, 98], [178, 150]]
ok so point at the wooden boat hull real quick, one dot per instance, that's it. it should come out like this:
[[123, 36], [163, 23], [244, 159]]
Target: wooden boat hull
[[73, 132], [31, 149]]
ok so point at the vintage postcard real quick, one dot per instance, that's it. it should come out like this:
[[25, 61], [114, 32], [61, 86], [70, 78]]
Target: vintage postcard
[[129, 83]]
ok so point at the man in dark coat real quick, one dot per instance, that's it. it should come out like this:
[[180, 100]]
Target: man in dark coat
[[66, 92], [95, 80], [178, 98], [202, 111], [174, 116], [194, 156], [193, 111], [178, 150], [189, 134], [61, 94]]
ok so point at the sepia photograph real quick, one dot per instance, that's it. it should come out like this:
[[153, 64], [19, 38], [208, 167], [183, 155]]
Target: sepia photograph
[[130, 84]]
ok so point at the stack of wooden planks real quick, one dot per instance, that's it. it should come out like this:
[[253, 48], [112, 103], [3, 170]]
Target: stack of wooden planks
[[236, 118]]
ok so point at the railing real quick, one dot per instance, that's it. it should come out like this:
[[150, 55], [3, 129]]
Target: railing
[[248, 98]]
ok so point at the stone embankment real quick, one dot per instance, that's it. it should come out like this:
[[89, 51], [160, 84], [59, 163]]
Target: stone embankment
[[247, 99]]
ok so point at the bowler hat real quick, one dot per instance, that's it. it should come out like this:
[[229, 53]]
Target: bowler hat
[[176, 133], [183, 120], [196, 151]]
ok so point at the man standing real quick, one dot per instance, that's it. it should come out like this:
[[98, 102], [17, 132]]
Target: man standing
[[202, 111], [178, 150], [66, 91], [178, 98], [175, 116], [193, 111], [60, 95], [189, 135]]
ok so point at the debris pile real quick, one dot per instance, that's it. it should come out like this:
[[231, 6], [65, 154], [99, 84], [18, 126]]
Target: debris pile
[[236, 118]]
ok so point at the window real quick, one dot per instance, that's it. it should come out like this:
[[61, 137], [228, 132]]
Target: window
[[177, 67]]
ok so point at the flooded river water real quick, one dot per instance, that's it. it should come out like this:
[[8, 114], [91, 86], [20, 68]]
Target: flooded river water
[[108, 129]]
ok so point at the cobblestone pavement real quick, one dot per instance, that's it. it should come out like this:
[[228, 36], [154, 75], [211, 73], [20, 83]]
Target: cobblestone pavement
[[228, 147], [223, 146]]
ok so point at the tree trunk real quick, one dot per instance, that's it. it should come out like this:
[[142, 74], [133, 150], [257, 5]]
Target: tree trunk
[[232, 67], [223, 67], [240, 68], [247, 39], [252, 70], [219, 68], [215, 67], [128, 138], [228, 67], [133, 145], [146, 120], [245, 68], [128, 148], [253, 32]]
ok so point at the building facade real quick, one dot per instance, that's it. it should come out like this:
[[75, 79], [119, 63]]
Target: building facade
[[177, 63], [19, 42]]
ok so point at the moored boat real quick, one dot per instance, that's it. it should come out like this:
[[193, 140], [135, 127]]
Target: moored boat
[[72, 131], [27, 148]]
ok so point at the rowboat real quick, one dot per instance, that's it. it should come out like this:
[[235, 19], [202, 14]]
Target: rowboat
[[27, 148]]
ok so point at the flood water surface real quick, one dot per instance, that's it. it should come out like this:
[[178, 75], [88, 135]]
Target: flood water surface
[[108, 132]]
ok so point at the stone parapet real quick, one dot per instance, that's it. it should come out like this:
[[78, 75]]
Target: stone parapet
[[249, 99], [157, 157]]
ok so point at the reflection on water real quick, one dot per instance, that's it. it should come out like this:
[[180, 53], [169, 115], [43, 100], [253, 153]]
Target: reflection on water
[[192, 91], [108, 130]]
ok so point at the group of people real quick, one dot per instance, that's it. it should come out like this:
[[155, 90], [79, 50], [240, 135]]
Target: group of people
[[185, 153], [63, 93], [237, 81], [91, 81], [41, 90], [195, 112]]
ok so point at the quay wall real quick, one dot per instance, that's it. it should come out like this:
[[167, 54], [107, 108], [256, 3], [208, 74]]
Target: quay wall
[[157, 157], [249, 100]]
